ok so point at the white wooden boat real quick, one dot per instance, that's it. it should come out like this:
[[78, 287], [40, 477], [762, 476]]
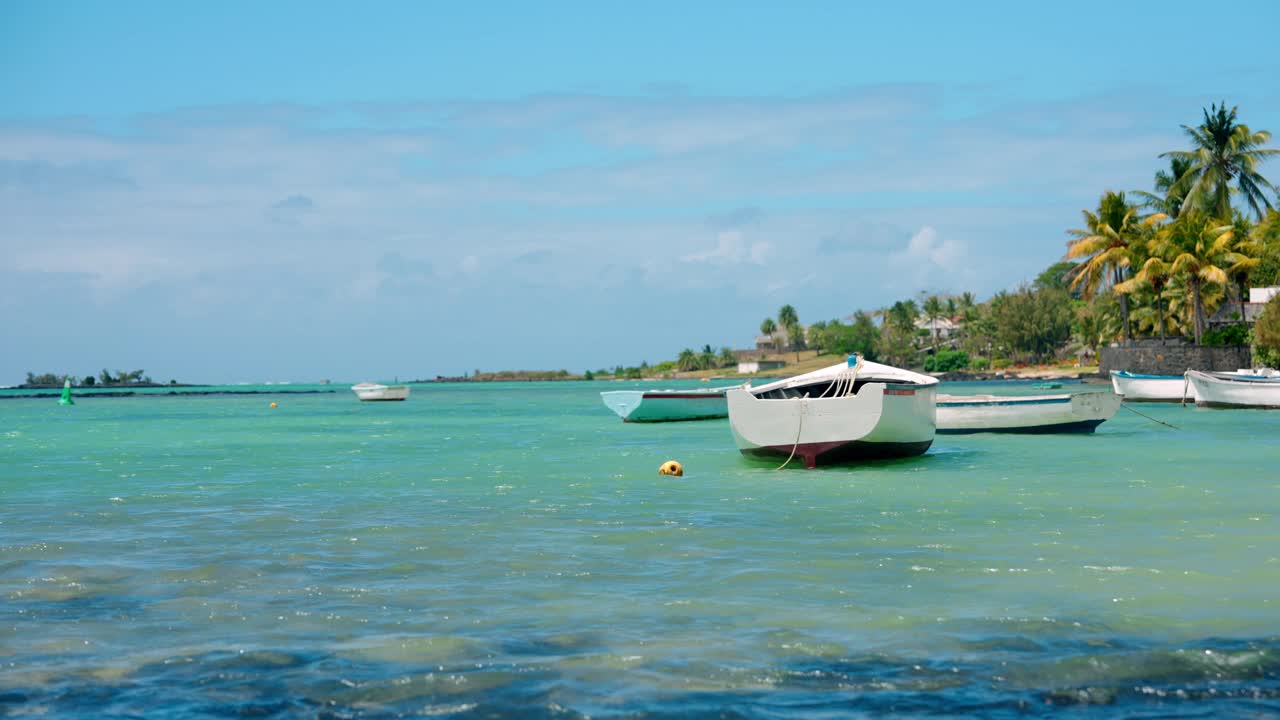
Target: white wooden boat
[[847, 412], [1064, 413], [1136, 387], [1235, 390], [374, 392], [667, 405]]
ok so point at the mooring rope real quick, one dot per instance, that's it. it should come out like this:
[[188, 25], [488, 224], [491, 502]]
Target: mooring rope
[[804, 403], [1126, 407]]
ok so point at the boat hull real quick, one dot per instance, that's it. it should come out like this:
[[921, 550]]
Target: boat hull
[[666, 406], [1242, 392], [1133, 387], [381, 393], [1040, 414], [880, 421]]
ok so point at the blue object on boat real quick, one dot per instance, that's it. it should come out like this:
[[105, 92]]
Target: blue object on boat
[[1126, 373], [853, 359]]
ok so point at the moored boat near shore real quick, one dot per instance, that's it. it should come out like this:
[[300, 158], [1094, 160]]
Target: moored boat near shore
[[667, 405], [846, 412], [1235, 390], [1063, 413], [375, 392], [1137, 387]]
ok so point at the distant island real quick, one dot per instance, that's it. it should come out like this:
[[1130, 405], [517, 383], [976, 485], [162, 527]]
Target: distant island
[[121, 378]]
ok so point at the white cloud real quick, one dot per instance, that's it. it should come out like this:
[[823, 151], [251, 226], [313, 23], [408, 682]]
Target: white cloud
[[926, 257], [732, 249]]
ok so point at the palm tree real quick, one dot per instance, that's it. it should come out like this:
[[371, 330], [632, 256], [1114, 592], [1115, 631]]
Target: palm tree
[[1154, 273], [767, 328], [933, 310], [1108, 242], [1095, 326], [1196, 247], [1170, 194], [1246, 257], [787, 316], [1223, 151], [688, 360], [706, 358], [903, 314], [727, 358]]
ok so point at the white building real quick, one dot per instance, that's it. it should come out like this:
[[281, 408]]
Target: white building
[[747, 367]]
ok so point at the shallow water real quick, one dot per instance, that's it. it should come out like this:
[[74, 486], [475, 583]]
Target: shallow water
[[509, 549]]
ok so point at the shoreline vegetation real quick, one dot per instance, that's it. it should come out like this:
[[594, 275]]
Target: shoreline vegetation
[[1172, 264]]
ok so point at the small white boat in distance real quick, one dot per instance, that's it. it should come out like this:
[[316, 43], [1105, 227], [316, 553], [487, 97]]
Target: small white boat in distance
[[852, 411], [372, 392], [1235, 390], [1065, 413], [667, 405], [1136, 387]]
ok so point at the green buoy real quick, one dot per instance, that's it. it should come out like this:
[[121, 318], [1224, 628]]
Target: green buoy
[[66, 394]]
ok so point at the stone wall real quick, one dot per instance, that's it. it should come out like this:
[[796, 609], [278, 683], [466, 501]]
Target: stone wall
[[1173, 358]]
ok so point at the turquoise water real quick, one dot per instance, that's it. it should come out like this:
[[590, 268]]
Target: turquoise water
[[489, 550]]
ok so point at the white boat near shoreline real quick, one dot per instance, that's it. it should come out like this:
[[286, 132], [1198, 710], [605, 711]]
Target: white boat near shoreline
[[376, 392], [1235, 389], [1063, 413], [852, 411], [1137, 387], [667, 405]]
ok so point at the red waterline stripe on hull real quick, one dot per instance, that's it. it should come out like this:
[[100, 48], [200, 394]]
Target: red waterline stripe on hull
[[828, 453], [899, 391]]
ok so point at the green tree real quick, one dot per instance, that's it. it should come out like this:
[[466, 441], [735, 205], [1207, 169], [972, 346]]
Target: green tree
[[898, 332], [1097, 322], [767, 328], [860, 337], [1246, 257], [1107, 246], [727, 357], [1266, 334], [707, 358], [945, 360], [1057, 276], [1266, 235], [687, 360], [787, 316], [1224, 151], [1032, 323], [1197, 248], [1154, 274], [1170, 191], [933, 309]]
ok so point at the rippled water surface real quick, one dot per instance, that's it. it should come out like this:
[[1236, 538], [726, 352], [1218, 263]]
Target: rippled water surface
[[510, 550]]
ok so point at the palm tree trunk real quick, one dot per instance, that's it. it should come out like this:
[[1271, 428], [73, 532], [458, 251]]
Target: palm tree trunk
[[1124, 305], [1160, 313], [1244, 280], [1196, 308]]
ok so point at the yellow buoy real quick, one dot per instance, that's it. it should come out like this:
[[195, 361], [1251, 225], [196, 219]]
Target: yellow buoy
[[671, 467], [274, 405]]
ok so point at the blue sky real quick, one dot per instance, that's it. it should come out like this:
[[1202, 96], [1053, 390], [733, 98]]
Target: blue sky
[[270, 191]]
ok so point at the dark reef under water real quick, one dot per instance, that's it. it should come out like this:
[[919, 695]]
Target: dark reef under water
[[1003, 677]]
